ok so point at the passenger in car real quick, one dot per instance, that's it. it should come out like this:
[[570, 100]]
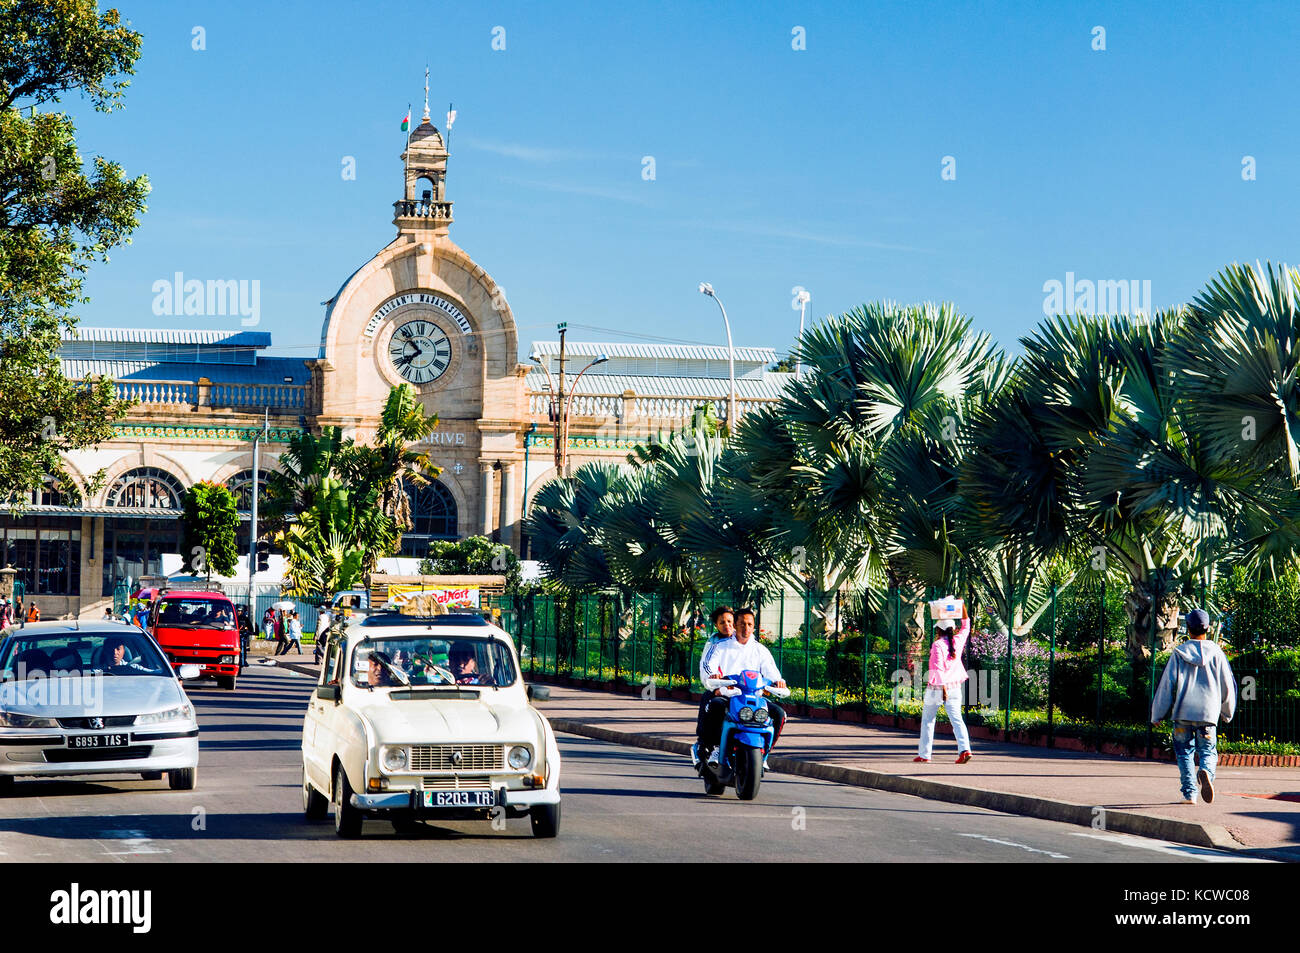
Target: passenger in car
[[464, 665]]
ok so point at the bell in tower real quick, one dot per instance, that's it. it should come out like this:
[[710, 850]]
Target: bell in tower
[[424, 206]]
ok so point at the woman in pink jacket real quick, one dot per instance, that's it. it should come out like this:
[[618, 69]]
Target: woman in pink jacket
[[944, 686]]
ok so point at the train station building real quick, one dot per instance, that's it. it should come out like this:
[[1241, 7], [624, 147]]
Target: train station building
[[421, 311]]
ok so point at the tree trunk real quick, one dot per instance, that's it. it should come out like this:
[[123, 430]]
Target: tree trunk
[[1137, 606], [915, 636]]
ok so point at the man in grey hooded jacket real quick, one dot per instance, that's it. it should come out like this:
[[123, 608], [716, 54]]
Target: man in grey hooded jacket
[[1198, 690]]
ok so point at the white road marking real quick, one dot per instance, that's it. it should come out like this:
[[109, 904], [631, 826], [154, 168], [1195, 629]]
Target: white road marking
[[1011, 843], [1207, 854], [136, 842]]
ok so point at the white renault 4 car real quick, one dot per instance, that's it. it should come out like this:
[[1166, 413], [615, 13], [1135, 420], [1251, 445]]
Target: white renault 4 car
[[426, 718], [92, 699]]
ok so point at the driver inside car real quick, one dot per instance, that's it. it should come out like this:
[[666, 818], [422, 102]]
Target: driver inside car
[[377, 675], [116, 657]]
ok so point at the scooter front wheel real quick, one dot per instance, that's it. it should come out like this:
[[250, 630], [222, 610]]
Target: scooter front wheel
[[749, 771]]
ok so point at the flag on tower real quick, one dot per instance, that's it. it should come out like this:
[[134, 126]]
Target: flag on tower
[[451, 118], [406, 121]]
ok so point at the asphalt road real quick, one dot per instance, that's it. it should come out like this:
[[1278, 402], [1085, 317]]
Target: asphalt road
[[620, 804]]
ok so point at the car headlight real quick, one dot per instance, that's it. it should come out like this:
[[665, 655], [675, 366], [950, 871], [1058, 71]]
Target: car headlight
[[746, 714], [520, 757], [179, 713], [762, 716], [394, 759], [227, 660], [10, 719]]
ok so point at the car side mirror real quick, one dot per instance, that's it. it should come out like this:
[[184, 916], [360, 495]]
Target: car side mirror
[[328, 692], [538, 693], [188, 671]]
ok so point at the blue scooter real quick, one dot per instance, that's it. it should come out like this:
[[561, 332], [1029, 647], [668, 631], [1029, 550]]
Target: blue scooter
[[747, 734]]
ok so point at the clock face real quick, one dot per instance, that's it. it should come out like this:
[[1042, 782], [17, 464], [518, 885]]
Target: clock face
[[420, 351]]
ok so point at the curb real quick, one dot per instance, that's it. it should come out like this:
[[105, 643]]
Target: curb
[[983, 732], [1122, 822]]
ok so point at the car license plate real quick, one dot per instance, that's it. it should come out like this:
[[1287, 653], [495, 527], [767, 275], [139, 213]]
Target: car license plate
[[98, 741], [460, 798]]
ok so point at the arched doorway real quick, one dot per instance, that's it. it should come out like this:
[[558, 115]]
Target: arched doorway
[[134, 542], [433, 517]]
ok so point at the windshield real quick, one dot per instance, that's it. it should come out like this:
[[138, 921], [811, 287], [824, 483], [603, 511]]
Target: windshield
[[199, 613], [421, 661], [79, 653]]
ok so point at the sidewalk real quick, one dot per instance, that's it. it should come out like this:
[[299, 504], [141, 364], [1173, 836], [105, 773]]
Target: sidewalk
[[1254, 809]]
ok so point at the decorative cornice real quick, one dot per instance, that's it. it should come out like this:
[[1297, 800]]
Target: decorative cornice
[[166, 432]]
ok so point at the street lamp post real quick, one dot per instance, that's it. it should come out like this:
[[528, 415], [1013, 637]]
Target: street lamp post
[[803, 298], [561, 403], [564, 467], [252, 526], [707, 289]]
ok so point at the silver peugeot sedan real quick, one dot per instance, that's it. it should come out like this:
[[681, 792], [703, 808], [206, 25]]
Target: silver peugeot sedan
[[97, 698]]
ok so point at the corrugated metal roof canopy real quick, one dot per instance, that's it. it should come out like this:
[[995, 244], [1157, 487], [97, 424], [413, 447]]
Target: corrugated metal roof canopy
[[768, 387], [267, 371], [230, 338], [679, 352]]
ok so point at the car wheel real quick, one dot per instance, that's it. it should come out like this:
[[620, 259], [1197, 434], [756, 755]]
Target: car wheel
[[226, 681], [347, 819], [184, 779], [151, 775], [545, 819], [314, 804]]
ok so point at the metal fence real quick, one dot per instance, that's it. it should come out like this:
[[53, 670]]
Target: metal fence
[[1071, 674]]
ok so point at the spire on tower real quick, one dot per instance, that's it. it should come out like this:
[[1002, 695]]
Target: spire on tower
[[426, 93]]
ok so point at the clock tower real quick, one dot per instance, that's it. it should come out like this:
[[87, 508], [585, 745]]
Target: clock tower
[[423, 313]]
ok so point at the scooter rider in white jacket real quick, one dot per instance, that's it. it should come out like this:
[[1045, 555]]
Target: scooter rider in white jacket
[[741, 653]]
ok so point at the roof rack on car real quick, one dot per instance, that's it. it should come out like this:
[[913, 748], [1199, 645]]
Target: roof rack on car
[[391, 617]]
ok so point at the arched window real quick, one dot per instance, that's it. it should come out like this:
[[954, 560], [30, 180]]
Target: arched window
[[148, 487], [433, 515], [50, 495], [241, 485]]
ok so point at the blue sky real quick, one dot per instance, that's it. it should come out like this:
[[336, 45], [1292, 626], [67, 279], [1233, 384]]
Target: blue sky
[[774, 167]]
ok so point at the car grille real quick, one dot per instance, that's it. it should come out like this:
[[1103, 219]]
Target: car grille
[[74, 755], [456, 783], [111, 721], [472, 757]]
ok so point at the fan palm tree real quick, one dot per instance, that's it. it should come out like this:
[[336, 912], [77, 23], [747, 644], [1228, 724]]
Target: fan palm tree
[[564, 526], [1239, 366], [881, 376]]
